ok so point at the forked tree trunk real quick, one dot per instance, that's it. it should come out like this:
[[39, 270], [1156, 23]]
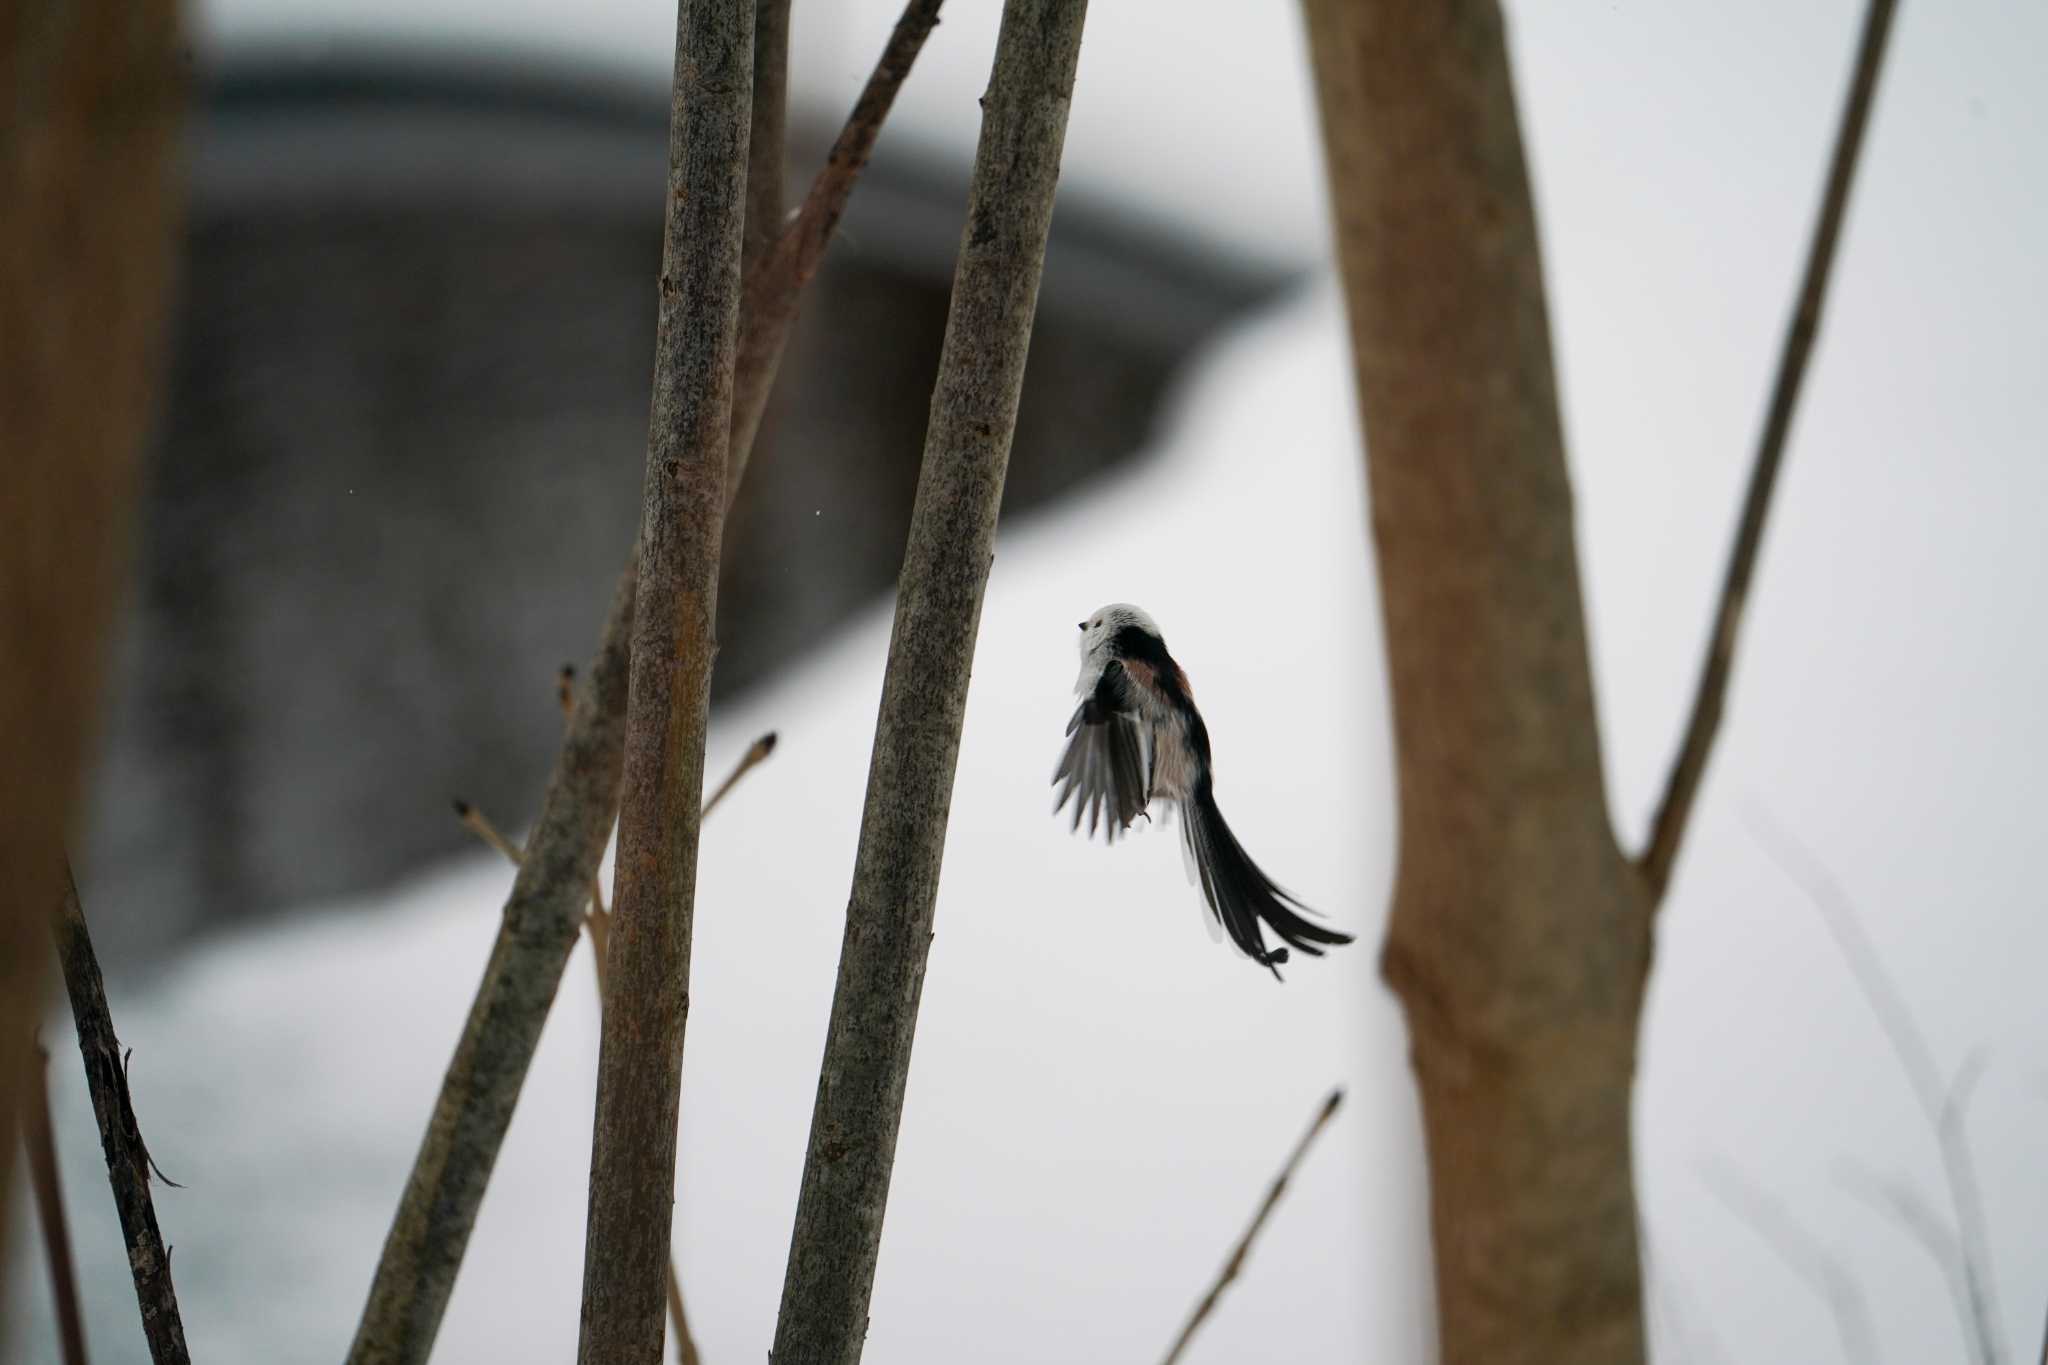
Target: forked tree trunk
[[1519, 931]]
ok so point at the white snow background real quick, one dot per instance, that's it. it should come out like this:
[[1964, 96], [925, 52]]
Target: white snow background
[[1100, 1094]]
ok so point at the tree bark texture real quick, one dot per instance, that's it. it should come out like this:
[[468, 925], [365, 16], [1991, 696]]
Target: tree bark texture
[[128, 1162], [90, 100], [543, 915], [633, 1147], [837, 1237], [1519, 933]]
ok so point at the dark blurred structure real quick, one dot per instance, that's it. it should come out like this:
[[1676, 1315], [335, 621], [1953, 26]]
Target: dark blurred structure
[[400, 456]]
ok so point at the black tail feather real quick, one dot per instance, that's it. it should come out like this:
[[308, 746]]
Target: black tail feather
[[1243, 897]]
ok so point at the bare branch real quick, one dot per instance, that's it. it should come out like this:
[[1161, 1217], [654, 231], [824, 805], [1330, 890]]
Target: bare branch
[[774, 291], [756, 753], [542, 916], [128, 1162], [682, 521], [1674, 810], [1944, 1105], [1814, 1263], [41, 1144], [431, 1229], [859, 1109], [1901, 1203], [1243, 1248]]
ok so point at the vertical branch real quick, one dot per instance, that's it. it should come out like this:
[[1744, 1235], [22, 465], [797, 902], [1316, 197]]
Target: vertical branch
[[1518, 934], [837, 1236], [639, 1068], [1674, 810], [90, 101], [41, 1145], [128, 1163], [775, 288]]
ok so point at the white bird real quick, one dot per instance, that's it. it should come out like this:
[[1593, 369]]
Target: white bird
[[1136, 735]]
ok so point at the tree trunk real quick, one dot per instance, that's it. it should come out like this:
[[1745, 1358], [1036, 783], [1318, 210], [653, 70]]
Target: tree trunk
[[1519, 933], [90, 100]]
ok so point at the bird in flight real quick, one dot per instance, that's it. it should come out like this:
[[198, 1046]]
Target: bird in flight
[[1136, 735]]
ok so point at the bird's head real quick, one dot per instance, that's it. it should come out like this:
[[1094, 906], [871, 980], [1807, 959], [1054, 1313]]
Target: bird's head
[[1100, 630]]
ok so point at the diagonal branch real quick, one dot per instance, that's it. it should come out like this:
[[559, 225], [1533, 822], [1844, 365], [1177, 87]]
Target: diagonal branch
[[774, 291], [1944, 1103], [836, 1241], [1900, 1202], [1674, 810], [128, 1163], [1804, 1255], [1243, 1248]]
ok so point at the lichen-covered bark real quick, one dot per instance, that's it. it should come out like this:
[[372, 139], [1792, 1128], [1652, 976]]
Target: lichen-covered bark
[[639, 1069], [1519, 932], [889, 916], [91, 96]]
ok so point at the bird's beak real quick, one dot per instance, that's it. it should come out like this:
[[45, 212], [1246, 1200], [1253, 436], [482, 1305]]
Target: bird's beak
[[1082, 625]]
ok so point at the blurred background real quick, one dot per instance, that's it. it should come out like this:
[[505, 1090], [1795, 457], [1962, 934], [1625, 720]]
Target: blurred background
[[397, 469]]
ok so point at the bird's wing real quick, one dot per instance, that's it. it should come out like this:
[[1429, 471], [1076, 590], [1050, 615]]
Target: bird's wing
[[1107, 767]]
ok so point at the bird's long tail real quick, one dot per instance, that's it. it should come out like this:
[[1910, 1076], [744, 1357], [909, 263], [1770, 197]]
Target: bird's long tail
[[1242, 896]]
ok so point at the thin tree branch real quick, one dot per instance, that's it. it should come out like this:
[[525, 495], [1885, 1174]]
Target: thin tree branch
[[430, 1231], [1944, 1104], [41, 1144], [774, 291], [837, 1236], [1900, 1202], [128, 1162], [543, 915], [765, 138], [1231, 1267], [682, 520], [1674, 810], [1814, 1263]]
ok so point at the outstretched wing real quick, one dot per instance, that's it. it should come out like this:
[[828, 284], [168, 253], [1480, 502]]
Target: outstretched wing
[[1107, 767]]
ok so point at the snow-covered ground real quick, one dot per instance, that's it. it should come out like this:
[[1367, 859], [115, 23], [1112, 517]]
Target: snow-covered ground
[[1100, 1093]]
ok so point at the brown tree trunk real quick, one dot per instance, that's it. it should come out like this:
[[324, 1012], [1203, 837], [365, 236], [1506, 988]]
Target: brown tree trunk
[[90, 96], [1519, 932]]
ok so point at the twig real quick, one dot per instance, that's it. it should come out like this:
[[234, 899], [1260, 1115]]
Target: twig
[[479, 824], [1674, 811], [1944, 1104], [41, 1144], [1803, 1254], [128, 1162], [774, 292], [756, 753], [1238, 1253], [1901, 1203], [861, 1081]]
